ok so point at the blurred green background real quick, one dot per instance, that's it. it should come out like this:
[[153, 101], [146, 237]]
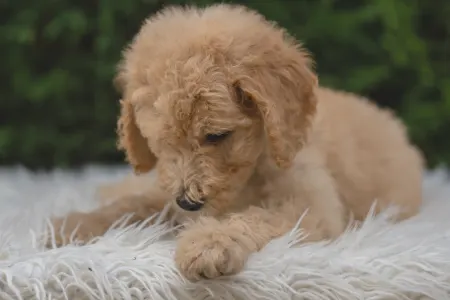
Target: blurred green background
[[58, 106]]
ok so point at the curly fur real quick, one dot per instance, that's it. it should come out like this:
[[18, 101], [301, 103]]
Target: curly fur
[[295, 148]]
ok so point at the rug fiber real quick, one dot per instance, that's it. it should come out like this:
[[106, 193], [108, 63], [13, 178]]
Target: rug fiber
[[409, 260]]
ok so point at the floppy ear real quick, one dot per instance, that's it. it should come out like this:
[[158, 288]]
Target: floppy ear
[[119, 83], [131, 140], [281, 84]]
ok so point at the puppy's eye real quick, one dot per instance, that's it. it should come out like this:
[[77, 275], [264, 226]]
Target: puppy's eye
[[215, 138]]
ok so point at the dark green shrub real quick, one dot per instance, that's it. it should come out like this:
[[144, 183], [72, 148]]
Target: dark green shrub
[[59, 107]]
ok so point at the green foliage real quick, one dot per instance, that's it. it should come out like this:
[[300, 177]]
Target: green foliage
[[59, 106]]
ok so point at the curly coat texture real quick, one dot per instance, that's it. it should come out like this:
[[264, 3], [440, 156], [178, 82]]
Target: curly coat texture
[[284, 147]]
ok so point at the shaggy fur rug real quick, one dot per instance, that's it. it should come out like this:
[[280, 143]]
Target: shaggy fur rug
[[409, 260]]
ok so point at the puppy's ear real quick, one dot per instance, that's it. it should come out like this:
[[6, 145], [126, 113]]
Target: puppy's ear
[[119, 81], [132, 142], [281, 84]]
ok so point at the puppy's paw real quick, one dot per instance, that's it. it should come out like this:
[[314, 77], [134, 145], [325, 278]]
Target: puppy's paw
[[209, 252], [76, 227]]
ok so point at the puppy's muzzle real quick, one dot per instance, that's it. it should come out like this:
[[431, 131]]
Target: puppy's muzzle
[[187, 204]]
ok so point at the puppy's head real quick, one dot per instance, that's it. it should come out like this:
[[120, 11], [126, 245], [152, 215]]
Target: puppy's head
[[206, 95]]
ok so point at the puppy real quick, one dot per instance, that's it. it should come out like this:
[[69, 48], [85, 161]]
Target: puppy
[[225, 106]]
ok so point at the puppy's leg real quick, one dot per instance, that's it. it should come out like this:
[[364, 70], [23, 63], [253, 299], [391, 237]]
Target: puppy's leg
[[96, 223], [112, 191], [211, 248]]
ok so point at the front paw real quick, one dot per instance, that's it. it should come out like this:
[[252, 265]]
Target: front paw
[[209, 252]]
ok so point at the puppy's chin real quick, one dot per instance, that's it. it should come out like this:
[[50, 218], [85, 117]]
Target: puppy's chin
[[184, 217]]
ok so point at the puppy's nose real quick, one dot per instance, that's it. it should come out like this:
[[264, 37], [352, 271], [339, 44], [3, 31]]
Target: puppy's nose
[[187, 204]]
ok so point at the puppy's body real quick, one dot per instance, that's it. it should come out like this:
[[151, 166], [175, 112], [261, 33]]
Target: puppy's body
[[367, 152], [231, 116]]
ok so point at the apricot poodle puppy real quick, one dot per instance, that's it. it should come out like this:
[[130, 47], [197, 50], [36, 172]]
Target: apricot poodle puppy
[[225, 105]]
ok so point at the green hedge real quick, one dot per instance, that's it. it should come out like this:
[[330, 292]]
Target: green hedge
[[58, 106]]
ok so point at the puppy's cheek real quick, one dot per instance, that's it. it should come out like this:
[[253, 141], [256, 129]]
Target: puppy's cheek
[[242, 174]]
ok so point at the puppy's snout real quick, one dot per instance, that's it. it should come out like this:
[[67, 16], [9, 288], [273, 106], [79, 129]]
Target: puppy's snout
[[187, 204]]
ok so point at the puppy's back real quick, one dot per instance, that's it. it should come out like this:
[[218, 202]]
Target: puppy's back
[[369, 154]]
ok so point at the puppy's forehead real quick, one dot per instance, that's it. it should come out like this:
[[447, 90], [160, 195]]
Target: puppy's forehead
[[206, 109], [192, 95]]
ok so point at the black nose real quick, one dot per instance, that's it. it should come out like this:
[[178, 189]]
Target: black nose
[[185, 203]]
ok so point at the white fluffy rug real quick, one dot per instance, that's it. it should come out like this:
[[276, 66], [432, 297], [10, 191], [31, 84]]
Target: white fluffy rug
[[410, 260]]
